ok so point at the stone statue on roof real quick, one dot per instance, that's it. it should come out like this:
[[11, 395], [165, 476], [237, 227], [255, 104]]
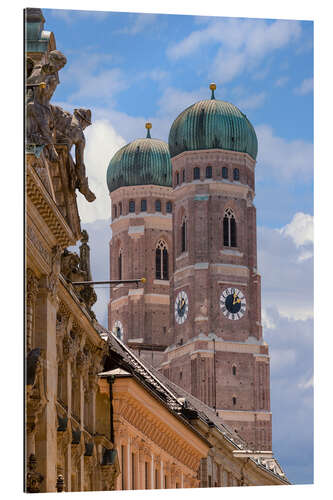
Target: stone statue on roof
[[69, 130], [42, 80]]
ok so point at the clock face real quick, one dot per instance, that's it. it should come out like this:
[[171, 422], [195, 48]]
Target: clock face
[[233, 303], [181, 307], [118, 329]]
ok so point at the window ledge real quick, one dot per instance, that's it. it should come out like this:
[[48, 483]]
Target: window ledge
[[161, 282], [182, 256], [232, 251]]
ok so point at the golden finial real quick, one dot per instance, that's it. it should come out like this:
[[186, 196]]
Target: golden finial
[[212, 87], [143, 280], [148, 127]]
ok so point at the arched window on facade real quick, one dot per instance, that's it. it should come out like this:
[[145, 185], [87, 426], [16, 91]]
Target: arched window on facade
[[236, 174], [114, 211], [183, 235], [234, 400], [234, 370], [162, 261], [209, 172], [196, 173], [225, 172], [184, 175], [169, 207], [177, 178], [143, 205], [120, 208], [229, 229], [131, 206], [158, 206], [120, 265]]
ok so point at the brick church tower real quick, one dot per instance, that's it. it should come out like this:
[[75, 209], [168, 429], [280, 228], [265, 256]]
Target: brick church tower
[[139, 182], [217, 352]]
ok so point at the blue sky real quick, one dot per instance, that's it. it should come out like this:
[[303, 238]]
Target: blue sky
[[130, 68]]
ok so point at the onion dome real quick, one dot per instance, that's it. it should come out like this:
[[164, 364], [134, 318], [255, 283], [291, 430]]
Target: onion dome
[[212, 124], [141, 162]]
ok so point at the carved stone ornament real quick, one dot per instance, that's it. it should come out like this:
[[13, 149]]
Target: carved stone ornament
[[69, 348], [32, 285], [34, 479], [35, 392]]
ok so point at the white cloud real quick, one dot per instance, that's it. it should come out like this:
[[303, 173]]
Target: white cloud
[[305, 88], [281, 82], [141, 22], [242, 44], [174, 101], [92, 76], [300, 229], [70, 16], [284, 159], [251, 101], [102, 142], [287, 279]]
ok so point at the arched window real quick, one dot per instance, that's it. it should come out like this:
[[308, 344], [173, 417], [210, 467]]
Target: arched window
[[143, 205], [177, 178], [131, 206], [196, 173], [229, 229], [236, 174], [209, 172], [162, 261], [184, 175], [225, 172], [183, 235], [114, 211], [169, 207], [158, 205], [234, 401], [234, 370], [120, 208], [120, 264]]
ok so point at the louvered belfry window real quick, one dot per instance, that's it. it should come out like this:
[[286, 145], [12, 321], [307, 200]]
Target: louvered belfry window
[[229, 229], [183, 236], [162, 261]]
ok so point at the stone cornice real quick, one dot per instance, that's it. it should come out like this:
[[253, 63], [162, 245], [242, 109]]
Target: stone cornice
[[135, 406], [48, 209], [211, 155]]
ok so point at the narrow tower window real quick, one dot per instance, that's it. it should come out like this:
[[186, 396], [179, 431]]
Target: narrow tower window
[[196, 173], [158, 205], [120, 208], [131, 206], [184, 175], [209, 172], [234, 401], [143, 205], [234, 370], [236, 174], [229, 229], [162, 261], [120, 265], [225, 172], [169, 207], [177, 178], [183, 236]]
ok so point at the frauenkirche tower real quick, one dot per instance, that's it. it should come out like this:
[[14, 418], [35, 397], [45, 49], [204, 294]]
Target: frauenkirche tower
[[195, 241]]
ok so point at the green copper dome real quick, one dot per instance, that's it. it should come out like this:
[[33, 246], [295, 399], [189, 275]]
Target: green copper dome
[[212, 124], [141, 162]]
